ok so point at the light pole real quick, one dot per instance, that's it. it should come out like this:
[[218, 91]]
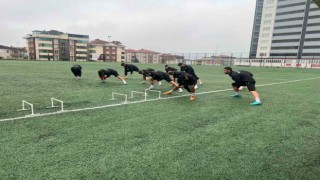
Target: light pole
[[109, 38]]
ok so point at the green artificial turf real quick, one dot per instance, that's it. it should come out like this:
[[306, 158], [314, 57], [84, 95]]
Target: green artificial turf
[[213, 137]]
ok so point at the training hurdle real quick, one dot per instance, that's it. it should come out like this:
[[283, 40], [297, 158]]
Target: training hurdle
[[138, 92], [24, 109], [52, 103], [145, 91], [125, 97]]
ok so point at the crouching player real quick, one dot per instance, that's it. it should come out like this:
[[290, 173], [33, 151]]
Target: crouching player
[[77, 71], [159, 76], [243, 79], [184, 80], [144, 72], [129, 68], [105, 73]]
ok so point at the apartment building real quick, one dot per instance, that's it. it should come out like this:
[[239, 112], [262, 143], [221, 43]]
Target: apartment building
[[9, 52], [289, 29], [106, 51], [142, 56], [170, 59], [57, 46]]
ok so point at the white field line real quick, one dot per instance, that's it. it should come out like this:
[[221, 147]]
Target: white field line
[[135, 102]]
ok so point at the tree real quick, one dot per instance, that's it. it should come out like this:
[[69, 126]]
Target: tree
[[317, 2]]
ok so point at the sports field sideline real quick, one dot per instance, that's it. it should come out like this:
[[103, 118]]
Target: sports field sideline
[[213, 137], [135, 102]]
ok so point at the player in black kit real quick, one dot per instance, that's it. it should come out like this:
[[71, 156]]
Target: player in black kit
[[189, 70], [159, 76], [77, 71], [243, 79], [107, 72], [185, 80], [129, 68]]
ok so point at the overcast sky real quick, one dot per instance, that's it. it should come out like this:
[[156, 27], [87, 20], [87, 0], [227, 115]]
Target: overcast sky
[[166, 26]]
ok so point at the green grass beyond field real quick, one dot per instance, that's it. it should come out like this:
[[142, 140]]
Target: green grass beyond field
[[214, 137]]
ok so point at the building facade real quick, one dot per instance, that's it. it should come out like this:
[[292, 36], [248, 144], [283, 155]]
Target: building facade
[[106, 51], [142, 56], [256, 28], [9, 52], [289, 29], [57, 46], [171, 59]]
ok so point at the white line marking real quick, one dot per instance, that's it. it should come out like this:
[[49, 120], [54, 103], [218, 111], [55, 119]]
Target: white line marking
[[135, 102]]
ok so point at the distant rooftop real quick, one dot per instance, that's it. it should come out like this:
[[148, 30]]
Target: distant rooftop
[[98, 41], [57, 33], [141, 51], [103, 42], [10, 47]]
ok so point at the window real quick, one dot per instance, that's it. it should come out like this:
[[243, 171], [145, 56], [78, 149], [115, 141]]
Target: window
[[81, 47], [287, 34], [313, 32], [269, 2], [82, 42], [45, 45], [285, 47], [286, 40], [288, 27], [267, 22], [290, 19], [266, 29], [269, 8], [292, 5], [44, 39], [291, 12], [268, 15]]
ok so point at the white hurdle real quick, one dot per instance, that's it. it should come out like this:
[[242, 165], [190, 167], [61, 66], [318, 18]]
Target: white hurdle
[[24, 109], [52, 103], [145, 91], [125, 97], [138, 92]]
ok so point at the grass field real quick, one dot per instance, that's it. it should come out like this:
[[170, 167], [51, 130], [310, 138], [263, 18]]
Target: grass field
[[214, 137]]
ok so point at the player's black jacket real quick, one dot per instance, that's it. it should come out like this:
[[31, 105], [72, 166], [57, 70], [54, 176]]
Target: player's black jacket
[[189, 70], [76, 70], [108, 72], [184, 78], [130, 68], [159, 76], [241, 78], [145, 72], [246, 72], [168, 68]]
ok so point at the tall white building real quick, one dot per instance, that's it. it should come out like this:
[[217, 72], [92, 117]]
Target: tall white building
[[266, 28], [288, 29]]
